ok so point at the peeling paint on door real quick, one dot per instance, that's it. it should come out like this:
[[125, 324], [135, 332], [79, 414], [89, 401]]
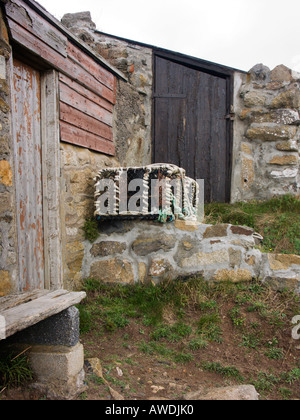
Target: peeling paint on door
[[27, 128]]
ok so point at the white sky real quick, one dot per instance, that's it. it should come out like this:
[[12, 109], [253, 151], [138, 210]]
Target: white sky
[[236, 33]]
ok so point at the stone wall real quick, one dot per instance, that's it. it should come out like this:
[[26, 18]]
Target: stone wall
[[266, 133], [78, 168], [8, 258], [142, 251], [132, 114], [266, 127]]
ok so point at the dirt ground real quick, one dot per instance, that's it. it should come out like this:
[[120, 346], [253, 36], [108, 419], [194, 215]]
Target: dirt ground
[[154, 376], [137, 371]]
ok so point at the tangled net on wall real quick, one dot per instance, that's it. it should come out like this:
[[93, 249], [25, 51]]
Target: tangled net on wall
[[157, 192]]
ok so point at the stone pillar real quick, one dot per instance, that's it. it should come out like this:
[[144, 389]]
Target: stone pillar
[[56, 355]]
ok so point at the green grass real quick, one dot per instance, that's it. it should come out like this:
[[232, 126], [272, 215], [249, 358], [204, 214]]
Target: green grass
[[277, 220], [182, 322], [227, 371], [14, 370]]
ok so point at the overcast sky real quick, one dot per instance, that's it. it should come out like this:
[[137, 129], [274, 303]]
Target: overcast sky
[[236, 33]]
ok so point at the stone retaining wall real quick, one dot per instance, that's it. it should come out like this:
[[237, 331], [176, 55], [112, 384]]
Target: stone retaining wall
[[127, 252], [266, 133]]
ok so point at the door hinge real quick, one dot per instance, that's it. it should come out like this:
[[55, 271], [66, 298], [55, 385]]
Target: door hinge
[[231, 115]]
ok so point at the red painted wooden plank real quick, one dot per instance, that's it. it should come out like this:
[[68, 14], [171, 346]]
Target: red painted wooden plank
[[74, 135], [74, 99], [85, 122], [23, 15], [91, 66], [86, 92], [55, 60]]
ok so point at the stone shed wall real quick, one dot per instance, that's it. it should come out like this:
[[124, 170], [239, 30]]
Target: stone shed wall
[[266, 133], [8, 258], [78, 168], [266, 105], [132, 114]]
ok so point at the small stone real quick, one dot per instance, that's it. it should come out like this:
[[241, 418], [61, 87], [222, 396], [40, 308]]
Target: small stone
[[106, 248], [289, 99], [234, 276], [260, 73], [281, 73], [215, 231], [284, 160], [250, 259], [142, 272], [283, 261], [146, 244], [247, 177], [5, 283], [113, 271], [235, 257], [230, 393], [186, 225], [156, 389], [271, 132], [202, 259], [5, 173], [253, 99], [159, 268], [246, 148], [287, 173], [287, 146], [241, 230]]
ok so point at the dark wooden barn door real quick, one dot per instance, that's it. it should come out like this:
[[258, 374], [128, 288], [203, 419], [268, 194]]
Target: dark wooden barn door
[[190, 125]]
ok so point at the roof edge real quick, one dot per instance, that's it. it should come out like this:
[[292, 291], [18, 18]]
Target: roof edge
[[73, 38], [175, 53]]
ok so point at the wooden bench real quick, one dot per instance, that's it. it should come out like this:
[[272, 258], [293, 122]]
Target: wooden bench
[[18, 312]]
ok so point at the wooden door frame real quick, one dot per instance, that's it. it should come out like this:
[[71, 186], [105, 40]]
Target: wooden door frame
[[51, 179], [50, 137], [224, 72]]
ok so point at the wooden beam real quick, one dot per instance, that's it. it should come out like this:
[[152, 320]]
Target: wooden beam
[[41, 11], [74, 135], [85, 105], [56, 61], [32, 22], [26, 314], [51, 180]]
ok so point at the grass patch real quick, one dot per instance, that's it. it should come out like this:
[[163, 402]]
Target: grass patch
[[227, 371], [14, 370], [277, 220], [241, 333]]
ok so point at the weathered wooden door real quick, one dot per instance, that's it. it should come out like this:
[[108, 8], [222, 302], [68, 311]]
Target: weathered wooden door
[[28, 172], [190, 125]]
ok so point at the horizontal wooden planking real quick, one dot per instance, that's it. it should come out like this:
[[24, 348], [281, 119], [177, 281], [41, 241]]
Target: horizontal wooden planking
[[85, 122], [86, 92], [75, 135], [88, 107], [23, 15], [24, 315], [56, 61], [101, 74]]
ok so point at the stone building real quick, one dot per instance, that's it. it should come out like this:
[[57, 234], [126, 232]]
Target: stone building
[[262, 115], [73, 101]]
